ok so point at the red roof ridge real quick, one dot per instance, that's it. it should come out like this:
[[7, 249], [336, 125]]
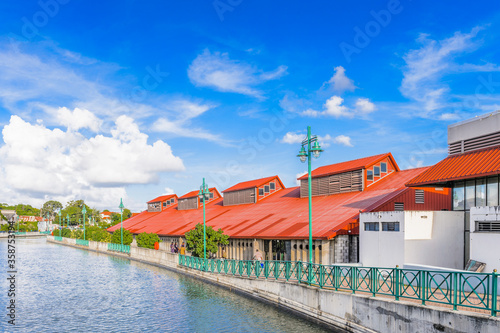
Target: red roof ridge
[[194, 193], [350, 165], [162, 197], [252, 183]]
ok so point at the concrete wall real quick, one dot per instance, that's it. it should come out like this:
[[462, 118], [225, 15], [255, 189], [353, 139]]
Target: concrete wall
[[485, 246], [473, 128], [433, 238], [381, 248], [345, 311]]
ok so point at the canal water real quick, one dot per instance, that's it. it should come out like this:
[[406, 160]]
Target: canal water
[[63, 289]]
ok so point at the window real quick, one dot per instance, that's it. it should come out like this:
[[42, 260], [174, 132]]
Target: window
[[470, 194], [491, 226], [399, 206], [261, 191], [266, 189], [383, 167], [371, 226], [211, 195], [458, 196], [390, 226], [369, 175], [419, 196], [172, 200], [376, 171], [272, 186], [492, 191], [480, 192], [165, 203]]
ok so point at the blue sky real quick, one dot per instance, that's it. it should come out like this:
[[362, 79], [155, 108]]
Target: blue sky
[[131, 99]]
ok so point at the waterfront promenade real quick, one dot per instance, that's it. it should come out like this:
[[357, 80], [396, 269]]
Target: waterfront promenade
[[337, 308]]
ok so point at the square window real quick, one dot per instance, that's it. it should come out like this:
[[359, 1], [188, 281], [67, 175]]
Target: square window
[[272, 186], [266, 189], [369, 175], [261, 191], [165, 203], [383, 167], [371, 226], [376, 171], [211, 195], [390, 226]]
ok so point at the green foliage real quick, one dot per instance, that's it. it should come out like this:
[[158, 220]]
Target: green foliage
[[56, 232], [66, 233], [95, 233], [51, 208], [22, 209], [147, 240], [127, 237], [194, 239], [78, 234], [4, 227], [116, 217]]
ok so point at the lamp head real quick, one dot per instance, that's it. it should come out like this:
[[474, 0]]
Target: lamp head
[[302, 155], [316, 149]]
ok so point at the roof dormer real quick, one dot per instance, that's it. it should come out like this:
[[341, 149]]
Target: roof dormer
[[349, 176], [162, 202], [252, 191], [192, 201]]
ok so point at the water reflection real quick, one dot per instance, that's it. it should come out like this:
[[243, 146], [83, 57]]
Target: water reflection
[[63, 289]]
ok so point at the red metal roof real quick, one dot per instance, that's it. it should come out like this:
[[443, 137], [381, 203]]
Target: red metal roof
[[162, 198], [361, 163], [252, 183], [478, 163], [284, 215], [195, 193]]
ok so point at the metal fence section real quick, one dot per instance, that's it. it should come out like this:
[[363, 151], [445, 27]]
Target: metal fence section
[[58, 238], [82, 242], [456, 289], [119, 248]]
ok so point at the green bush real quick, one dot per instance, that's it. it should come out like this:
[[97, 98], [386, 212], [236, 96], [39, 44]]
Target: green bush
[[78, 234], [127, 237], [194, 240], [97, 234], [66, 232], [147, 240], [56, 232]]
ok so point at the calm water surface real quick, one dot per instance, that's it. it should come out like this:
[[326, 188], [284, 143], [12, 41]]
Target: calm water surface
[[63, 289]]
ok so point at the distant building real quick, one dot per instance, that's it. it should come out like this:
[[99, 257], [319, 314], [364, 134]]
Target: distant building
[[9, 214], [263, 214]]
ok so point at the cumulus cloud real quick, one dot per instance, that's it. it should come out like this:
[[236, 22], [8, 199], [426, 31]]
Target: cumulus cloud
[[77, 119], [216, 70], [364, 106], [324, 141], [168, 190], [38, 162], [339, 82]]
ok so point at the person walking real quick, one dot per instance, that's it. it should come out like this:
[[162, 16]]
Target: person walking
[[183, 249]]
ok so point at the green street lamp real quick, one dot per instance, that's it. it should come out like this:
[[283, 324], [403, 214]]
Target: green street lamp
[[60, 225], [84, 211], [304, 155], [121, 218], [67, 221], [204, 194], [47, 222]]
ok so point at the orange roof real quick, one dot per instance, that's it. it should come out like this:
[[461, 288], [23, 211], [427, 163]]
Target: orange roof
[[195, 193], [251, 184], [162, 198], [284, 215], [477, 163], [361, 163]]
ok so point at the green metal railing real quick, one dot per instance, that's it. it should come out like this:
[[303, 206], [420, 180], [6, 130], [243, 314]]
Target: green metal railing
[[21, 233], [119, 248], [45, 232], [468, 290], [58, 238], [82, 242]]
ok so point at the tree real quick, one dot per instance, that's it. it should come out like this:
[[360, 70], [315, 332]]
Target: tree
[[147, 240], [194, 239], [127, 237], [52, 208]]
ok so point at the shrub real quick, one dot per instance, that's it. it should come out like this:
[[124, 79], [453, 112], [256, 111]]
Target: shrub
[[66, 232], [127, 237], [194, 240], [97, 234], [147, 240], [78, 234], [56, 232]]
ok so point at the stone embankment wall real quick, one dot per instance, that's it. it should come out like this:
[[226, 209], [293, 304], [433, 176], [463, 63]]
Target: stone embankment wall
[[339, 310]]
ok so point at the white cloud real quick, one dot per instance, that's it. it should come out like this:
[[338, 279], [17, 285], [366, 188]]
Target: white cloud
[[364, 106], [38, 162], [324, 141], [343, 140], [339, 82], [216, 70], [168, 190], [333, 107], [449, 116], [426, 66], [78, 118], [300, 174]]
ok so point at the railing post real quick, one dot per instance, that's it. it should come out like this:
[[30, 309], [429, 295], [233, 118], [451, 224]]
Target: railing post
[[353, 279], [266, 269], [423, 280], [374, 281], [455, 288], [494, 293], [396, 283], [321, 276]]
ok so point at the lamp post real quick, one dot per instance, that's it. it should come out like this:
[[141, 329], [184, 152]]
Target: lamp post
[[304, 155], [84, 211], [47, 222], [121, 218], [67, 221], [60, 225], [204, 194]]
